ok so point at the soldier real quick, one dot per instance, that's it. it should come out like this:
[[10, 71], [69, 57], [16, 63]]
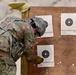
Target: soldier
[[18, 37]]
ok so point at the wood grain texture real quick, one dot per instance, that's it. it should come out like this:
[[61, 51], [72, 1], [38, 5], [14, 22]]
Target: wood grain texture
[[64, 46]]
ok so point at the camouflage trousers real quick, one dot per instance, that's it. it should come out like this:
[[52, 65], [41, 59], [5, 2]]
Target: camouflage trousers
[[7, 66]]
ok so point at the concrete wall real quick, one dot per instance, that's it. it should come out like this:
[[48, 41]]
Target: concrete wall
[[51, 2], [4, 9]]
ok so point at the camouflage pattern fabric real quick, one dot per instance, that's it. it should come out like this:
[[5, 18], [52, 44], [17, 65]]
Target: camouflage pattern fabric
[[7, 66], [16, 37]]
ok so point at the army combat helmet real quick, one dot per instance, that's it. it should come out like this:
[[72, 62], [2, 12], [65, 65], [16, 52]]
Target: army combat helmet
[[39, 24]]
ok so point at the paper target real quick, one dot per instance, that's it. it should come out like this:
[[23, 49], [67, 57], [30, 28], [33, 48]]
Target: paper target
[[49, 29], [68, 24], [47, 53]]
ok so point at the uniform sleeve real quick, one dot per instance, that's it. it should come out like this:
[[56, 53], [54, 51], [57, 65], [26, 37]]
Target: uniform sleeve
[[29, 38], [29, 41]]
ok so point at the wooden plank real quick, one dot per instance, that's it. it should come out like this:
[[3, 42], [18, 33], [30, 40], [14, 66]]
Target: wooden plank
[[24, 63], [24, 66], [64, 46]]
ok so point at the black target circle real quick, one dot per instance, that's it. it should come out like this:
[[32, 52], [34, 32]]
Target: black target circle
[[69, 22], [45, 53]]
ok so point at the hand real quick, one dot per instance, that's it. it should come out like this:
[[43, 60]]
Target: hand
[[38, 60]]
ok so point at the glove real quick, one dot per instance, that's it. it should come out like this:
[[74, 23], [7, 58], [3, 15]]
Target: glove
[[35, 59], [38, 60]]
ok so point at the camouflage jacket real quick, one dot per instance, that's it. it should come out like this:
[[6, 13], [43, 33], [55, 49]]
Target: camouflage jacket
[[19, 36]]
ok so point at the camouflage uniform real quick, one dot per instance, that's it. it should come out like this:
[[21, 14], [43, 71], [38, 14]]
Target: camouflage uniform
[[16, 37]]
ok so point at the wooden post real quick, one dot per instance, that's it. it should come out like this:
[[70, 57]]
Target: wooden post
[[24, 63], [23, 8]]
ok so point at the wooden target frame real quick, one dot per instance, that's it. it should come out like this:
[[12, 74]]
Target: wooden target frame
[[64, 45]]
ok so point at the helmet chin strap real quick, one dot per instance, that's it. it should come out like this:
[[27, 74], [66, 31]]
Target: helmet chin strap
[[35, 30]]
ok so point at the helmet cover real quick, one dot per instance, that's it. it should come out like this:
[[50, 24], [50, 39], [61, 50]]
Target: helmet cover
[[38, 23]]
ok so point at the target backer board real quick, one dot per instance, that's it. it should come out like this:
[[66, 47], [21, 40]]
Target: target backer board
[[64, 45]]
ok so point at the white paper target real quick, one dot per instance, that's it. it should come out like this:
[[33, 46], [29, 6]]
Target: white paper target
[[68, 24], [49, 29], [47, 53]]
